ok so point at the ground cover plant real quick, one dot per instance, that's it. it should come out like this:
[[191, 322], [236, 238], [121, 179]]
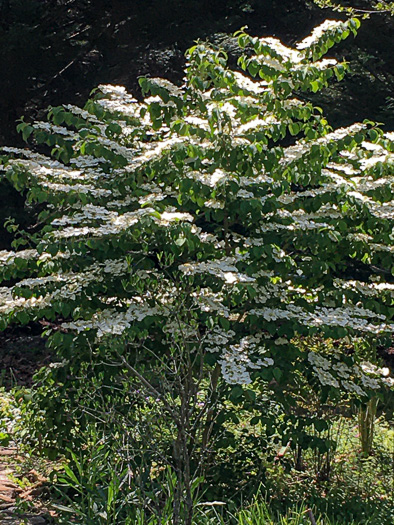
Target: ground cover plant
[[187, 250]]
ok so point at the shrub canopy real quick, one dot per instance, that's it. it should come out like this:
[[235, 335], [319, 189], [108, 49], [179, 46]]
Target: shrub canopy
[[223, 216]]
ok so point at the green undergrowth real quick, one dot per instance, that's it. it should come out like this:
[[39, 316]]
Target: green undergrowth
[[357, 490], [90, 488], [353, 488]]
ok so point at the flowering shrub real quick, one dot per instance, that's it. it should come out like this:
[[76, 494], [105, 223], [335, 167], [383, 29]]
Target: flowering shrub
[[224, 217]]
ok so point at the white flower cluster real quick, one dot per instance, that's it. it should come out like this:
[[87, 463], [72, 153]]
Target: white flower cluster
[[172, 216], [257, 124], [274, 47], [247, 84], [52, 128], [371, 289], [236, 362], [89, 213], [118, 100], [10, 304], [88, 161], [83, 114], [115, 267], [114, 322], [224, 268], [356, 318], [209, 301], [113, 224], [208, 179], [85, 189], [321, 367], [300, 222], [8, 258], [347, 375], [318, 32], [217, 339], [72, 284], [381, 375]]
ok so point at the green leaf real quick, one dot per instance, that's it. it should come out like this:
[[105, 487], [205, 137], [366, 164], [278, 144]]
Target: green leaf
[[26, 132], [5, 439], [236, 394], [320, 425], [180, 241], [253, 68], [294, 128], [315, 86], [278, 374], [72, 477]]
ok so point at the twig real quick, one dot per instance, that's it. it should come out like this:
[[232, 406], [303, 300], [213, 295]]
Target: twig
[[151, 388], [311, 516]]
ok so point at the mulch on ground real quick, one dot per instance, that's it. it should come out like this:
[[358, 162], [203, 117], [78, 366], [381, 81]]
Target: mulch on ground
[[14, 500], [22, 353]]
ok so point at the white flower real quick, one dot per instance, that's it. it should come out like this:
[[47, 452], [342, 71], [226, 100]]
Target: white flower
[[318, 32], [352, 387], [325, 378], [167, 217]]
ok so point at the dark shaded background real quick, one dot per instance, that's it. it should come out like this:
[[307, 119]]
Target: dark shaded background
[[57, 51], [54, 52]]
